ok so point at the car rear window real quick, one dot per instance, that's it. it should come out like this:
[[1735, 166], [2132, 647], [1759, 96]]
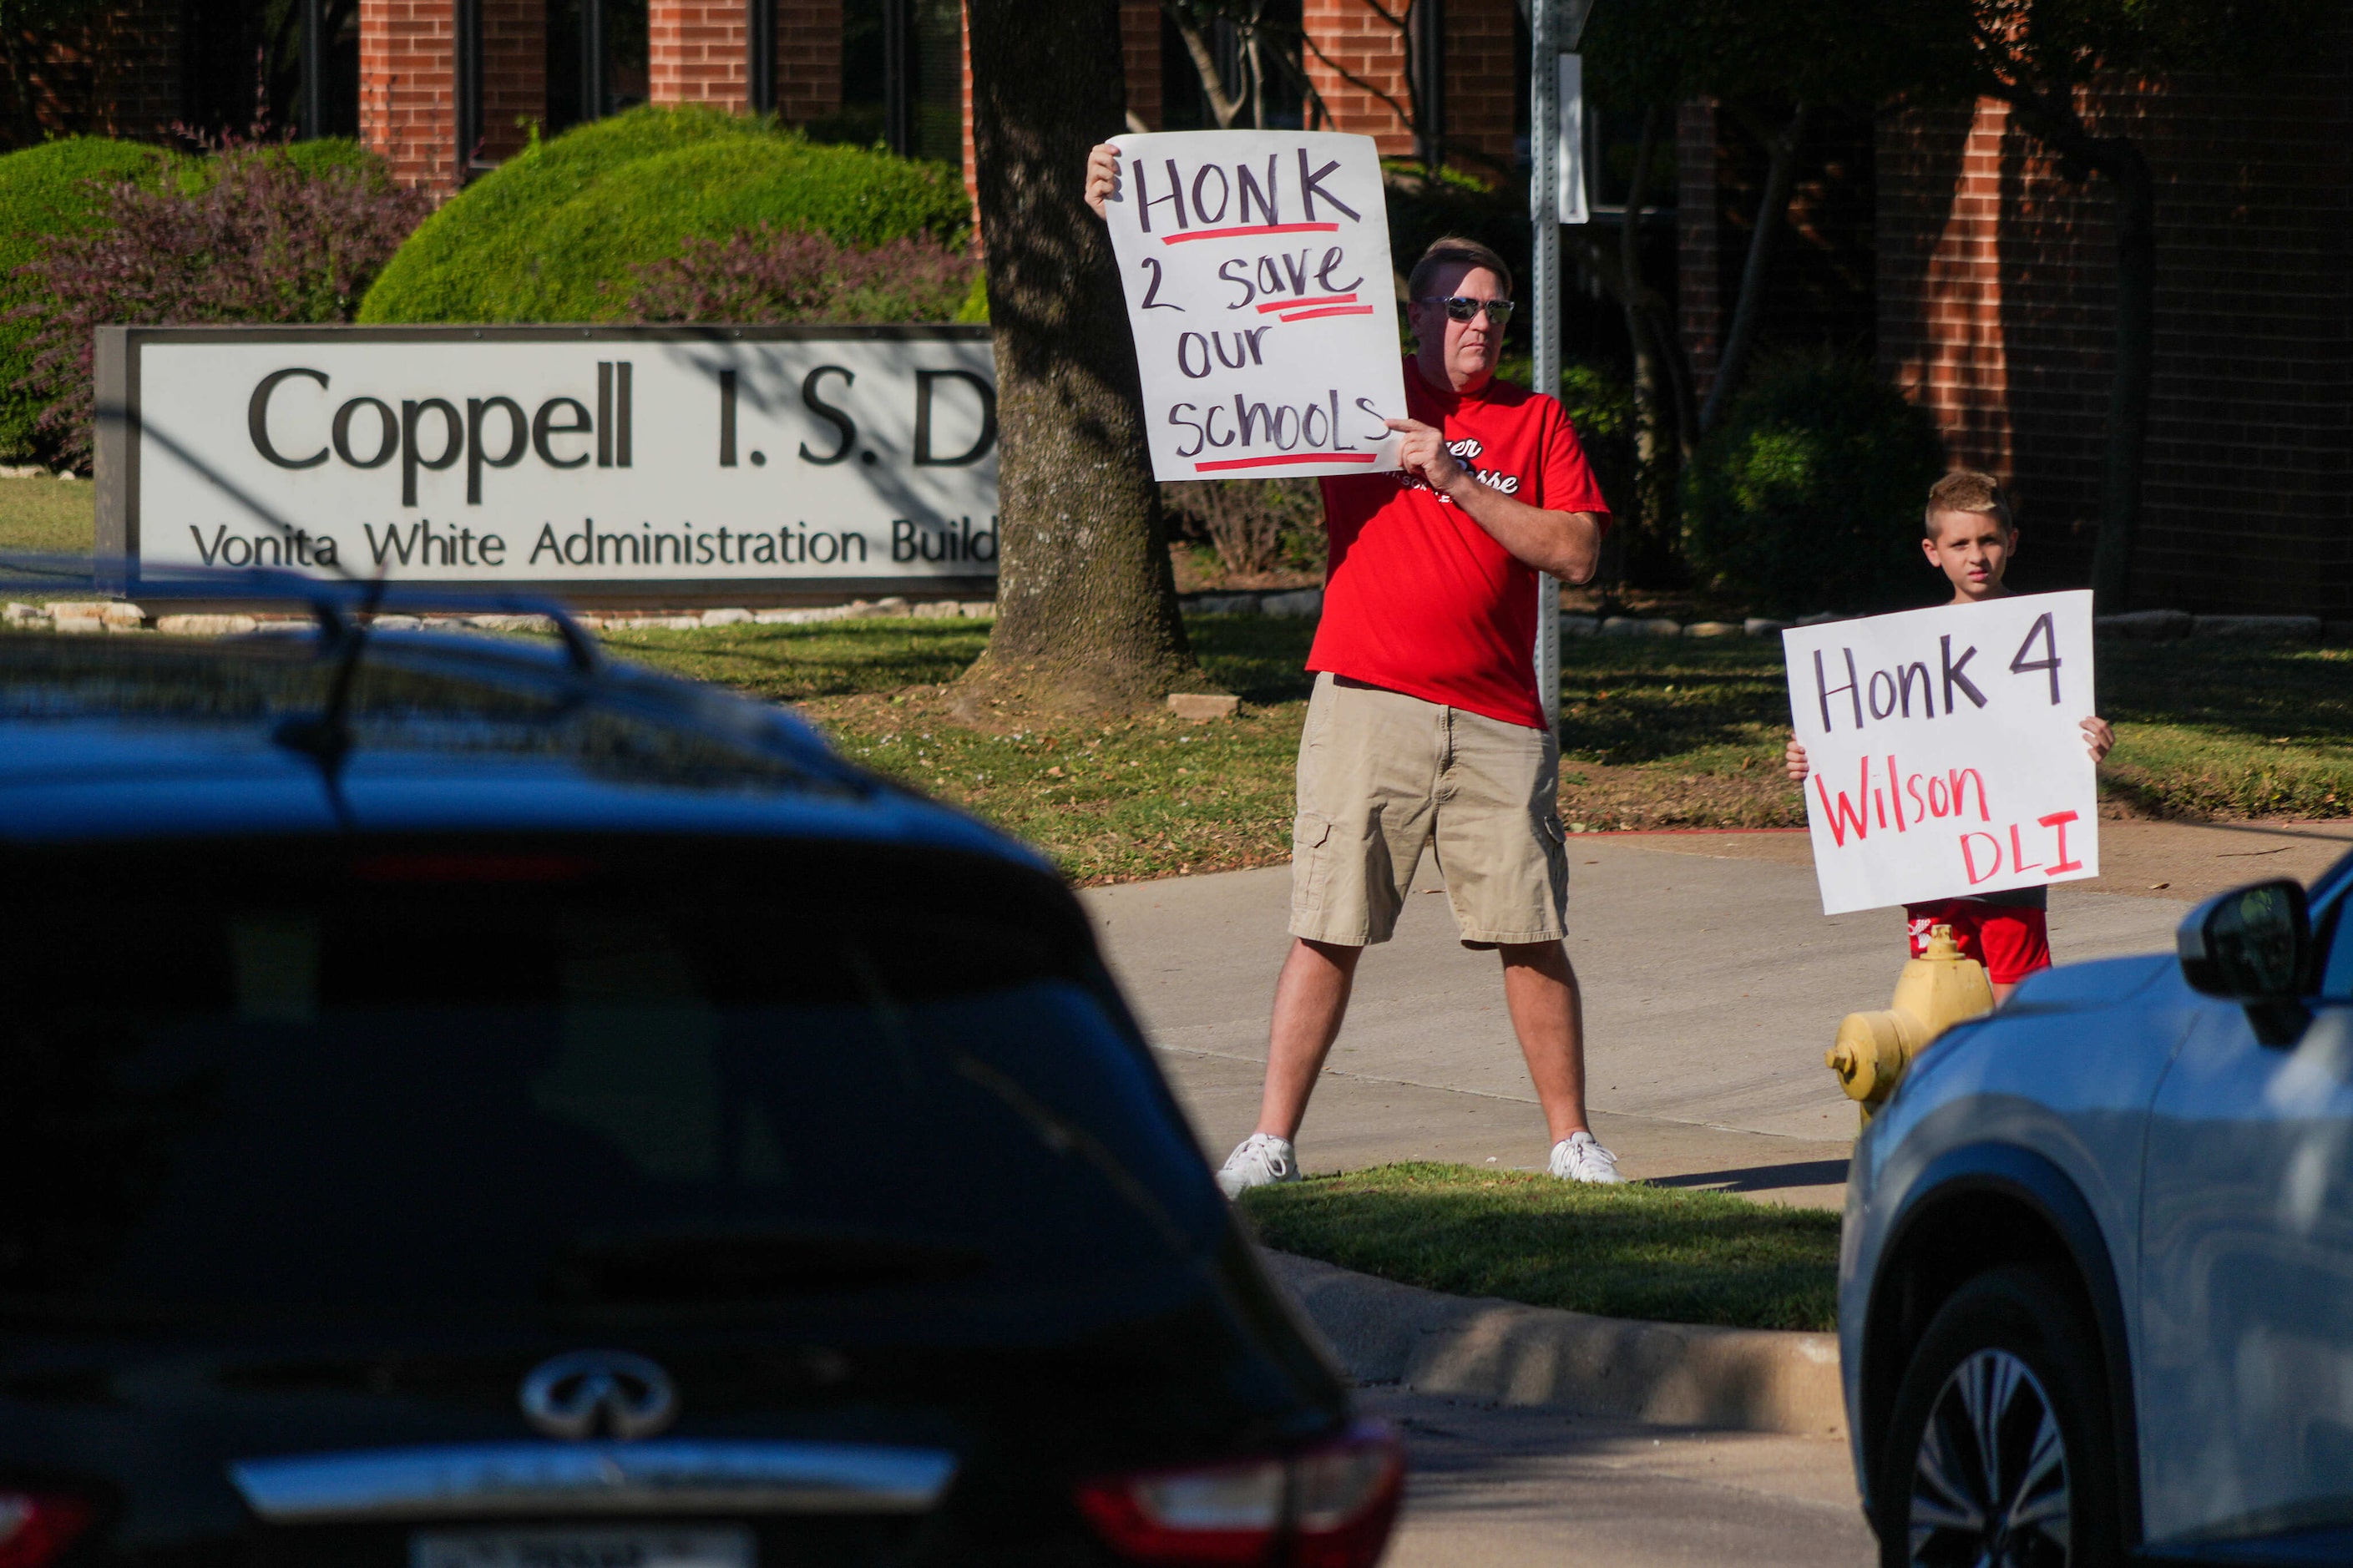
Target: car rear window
[[496, 1079]]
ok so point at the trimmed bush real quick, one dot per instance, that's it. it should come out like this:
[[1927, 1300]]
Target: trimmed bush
[[555, 233], [256, 237], [57, 188], [785, 275], [1808, 496]]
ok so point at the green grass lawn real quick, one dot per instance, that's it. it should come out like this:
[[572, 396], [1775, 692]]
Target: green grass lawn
[[1658, 732], [1628, 1251], [50, 516]]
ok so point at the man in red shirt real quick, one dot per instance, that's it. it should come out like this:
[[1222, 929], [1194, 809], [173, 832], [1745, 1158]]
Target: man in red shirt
[[1426, 730]]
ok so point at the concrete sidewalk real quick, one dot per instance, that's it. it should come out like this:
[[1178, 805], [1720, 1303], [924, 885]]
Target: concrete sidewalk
[[1712, 984]]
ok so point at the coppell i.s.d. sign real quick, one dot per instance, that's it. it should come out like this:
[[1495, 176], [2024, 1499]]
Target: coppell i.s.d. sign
[[601, 462]]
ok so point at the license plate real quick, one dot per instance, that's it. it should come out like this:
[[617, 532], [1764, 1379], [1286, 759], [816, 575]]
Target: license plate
[[586, 1547]]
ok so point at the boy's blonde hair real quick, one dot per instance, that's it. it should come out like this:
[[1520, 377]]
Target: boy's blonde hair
[[1966, 491]]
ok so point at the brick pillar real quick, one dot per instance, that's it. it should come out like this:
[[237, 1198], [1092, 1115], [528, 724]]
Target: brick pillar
[[1481, 69], [514, 74], [696, 53], [1940, 277], [408, 71], [1699, 241], [809, 59], [1139, 47], [1357, 62]]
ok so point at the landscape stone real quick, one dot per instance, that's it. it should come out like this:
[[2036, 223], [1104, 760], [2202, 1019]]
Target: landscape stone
[[1305, 605], [1226, 604], [2258, 628], [1641, 627], [205, 626], [1821, 618], [939, 610], [980, 609], [726, 617], [2150, 623], [1764, 627], [1714, 629], [1202, 706], [1579, 626], [19, 612]]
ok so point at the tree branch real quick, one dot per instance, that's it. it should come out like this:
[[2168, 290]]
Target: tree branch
[[1748, 311]]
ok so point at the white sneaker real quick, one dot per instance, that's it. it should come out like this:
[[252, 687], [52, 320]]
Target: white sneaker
[[1257, 1160], [1580, 1158]]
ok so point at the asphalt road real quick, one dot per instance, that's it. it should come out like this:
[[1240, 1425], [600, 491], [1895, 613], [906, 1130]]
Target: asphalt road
[[1712, 984], [1489, 1486]]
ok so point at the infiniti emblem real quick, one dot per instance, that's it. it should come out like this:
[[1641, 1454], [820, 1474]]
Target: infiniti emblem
[[589, 1394]]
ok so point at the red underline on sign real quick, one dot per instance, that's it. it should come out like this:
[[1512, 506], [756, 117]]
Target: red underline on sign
[[1332, 311], [1295, 458], [1254, 228], [1303, 304]]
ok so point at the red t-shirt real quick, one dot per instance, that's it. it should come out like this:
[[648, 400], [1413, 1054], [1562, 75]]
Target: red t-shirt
[[1421, 598]]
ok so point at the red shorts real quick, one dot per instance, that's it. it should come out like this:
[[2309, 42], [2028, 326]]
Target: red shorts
[[2011, 941]]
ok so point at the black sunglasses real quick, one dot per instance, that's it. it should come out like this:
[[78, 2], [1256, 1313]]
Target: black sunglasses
[[1462, 308]]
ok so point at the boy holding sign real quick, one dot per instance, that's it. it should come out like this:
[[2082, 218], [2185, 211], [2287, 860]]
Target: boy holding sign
[[1968, 536], [1426, 730]]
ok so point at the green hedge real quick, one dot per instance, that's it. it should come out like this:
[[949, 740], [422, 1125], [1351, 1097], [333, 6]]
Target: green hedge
[[551, 235], [58, 187], [1807, 497]]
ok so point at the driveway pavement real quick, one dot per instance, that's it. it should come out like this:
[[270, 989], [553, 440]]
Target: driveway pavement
[[1499, 1487], [1712, 984]]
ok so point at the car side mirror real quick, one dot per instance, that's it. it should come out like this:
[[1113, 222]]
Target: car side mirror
[[2253, 946]]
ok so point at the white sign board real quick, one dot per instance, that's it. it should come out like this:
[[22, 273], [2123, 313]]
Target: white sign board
[[1946, 751], [570, 458], [1569, 146], [1260, 289]]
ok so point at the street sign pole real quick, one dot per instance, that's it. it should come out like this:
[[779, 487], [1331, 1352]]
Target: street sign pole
[[1544, 313]]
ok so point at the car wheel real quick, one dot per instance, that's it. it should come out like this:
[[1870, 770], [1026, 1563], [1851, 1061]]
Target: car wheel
[[2001, 1451]]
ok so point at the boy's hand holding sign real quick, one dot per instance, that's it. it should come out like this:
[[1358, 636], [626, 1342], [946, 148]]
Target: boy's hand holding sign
[[1258, 277], [1945, 750]]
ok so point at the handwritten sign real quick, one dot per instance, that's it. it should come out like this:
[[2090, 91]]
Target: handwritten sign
[[1946, 750], [1259, 287]]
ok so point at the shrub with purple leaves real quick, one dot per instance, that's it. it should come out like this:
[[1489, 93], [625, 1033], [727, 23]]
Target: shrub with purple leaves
[[769, 274], [251, 233]]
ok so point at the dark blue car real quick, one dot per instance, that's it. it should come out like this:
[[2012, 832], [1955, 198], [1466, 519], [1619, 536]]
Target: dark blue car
[[472, 1105]]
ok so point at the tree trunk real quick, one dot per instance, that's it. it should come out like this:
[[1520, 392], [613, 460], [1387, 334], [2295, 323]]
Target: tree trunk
[[1652, 415], [1086, 605], [2051, 119], [1748, 311], [2136, 343]]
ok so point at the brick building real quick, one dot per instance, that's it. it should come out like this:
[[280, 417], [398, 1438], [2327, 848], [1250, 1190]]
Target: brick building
[[1944, 245]]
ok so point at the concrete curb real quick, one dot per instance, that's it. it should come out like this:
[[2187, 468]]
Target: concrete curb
[[1680, 1374]]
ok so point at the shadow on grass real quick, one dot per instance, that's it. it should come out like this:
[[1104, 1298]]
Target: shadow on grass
[[1632, 1251]]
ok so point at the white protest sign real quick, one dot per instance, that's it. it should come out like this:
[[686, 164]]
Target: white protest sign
[[1258, 288], [1946, 750]]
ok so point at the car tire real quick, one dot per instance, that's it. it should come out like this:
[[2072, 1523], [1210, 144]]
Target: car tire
[[2008, 1368]]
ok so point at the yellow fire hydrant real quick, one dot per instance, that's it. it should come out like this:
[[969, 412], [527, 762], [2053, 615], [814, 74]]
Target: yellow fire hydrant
[[1937, 989]]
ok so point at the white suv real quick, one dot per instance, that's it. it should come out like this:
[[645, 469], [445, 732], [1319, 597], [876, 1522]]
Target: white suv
[[2095, 1293]]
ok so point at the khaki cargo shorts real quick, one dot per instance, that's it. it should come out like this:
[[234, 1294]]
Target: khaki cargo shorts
[[1381, 776]]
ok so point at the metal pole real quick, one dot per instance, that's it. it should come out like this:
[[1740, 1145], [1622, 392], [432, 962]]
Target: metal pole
[[468, 48], [314, 69], [760, 53], [592, 59], [900, 85], [1544, 313]]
